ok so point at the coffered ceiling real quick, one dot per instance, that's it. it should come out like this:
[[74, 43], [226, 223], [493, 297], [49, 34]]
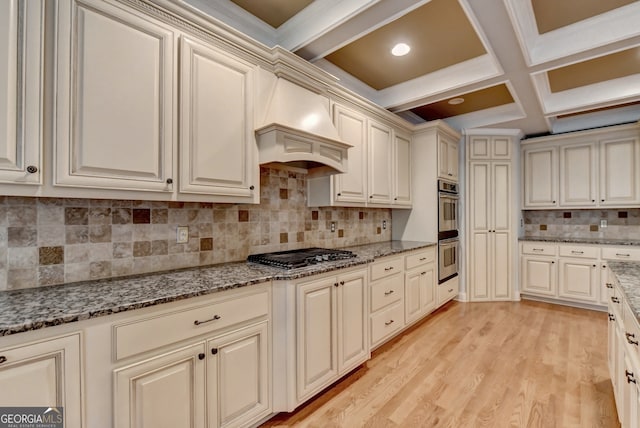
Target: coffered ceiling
[[542, 66]]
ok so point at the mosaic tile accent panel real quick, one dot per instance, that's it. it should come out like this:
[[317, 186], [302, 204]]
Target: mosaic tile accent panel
[[47, 241], [621, 223]]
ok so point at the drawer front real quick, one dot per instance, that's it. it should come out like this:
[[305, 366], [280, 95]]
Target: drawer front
[[621, 253], [579, 252], [386, 322], [539, 248], [420, 258], [386, 291], [150, 333], [447, 291], [386, 267], [632, 330]]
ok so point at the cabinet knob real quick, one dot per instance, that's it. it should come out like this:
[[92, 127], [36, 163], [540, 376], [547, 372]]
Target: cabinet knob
[[201, 356], [169, 180], [593, 200], [601, 200], [335, 284], [609, 285], [553, 263], [32, 169], [2, 359], [594, 265], [341, 282], [395, 199], [553, 202], [370, 196], [252, 187], [214, 351]]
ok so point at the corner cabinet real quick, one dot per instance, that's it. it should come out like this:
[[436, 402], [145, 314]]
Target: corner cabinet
[[217, 143], [21, 90], [115, 118]]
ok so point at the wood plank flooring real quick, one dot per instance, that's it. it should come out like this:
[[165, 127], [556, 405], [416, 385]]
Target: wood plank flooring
[[526, 364]]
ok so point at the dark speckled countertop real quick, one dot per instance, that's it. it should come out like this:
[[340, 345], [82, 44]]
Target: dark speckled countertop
[[628, 274], [35, 308], [592, 241]]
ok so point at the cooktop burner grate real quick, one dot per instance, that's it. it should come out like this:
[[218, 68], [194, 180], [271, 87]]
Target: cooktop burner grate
[[293, 259]]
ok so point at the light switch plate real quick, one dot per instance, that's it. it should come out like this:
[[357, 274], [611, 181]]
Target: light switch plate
[[182, 234]]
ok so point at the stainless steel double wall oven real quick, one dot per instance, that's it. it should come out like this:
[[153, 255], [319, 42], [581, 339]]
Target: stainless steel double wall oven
[[448, 240]]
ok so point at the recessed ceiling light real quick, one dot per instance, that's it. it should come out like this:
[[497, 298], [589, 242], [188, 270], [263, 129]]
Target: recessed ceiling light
[[456, 101], [400, 49]]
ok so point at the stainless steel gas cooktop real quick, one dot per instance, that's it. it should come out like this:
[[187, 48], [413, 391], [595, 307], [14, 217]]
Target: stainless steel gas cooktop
[[293, 259]]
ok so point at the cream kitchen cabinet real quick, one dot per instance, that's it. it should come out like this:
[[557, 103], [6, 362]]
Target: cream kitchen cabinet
[[490, 147], [387, 298], [402, 170], [217, 143], [539, 269], [579, 273], [578, 175], [380, 164], [540, 177], [447, 157], [419, 284], [620, 171], [46, 373], [21, 91], [115, 110], [332, 330]]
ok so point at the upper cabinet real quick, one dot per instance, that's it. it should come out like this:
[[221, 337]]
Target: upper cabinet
[[379, 165], [587, 169], [447, 158], [217, 143], [116, 98], [21, 90]]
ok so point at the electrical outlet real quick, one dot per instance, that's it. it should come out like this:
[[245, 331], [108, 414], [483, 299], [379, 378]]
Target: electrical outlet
[[333, 226], [603, 223], [182, 234], [384, 224]]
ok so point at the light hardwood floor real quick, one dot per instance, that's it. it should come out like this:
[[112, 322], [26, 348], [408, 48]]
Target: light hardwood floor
[[526, 364]]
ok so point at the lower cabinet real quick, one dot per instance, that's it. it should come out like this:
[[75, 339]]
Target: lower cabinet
[[539, 275], [447, 291], [419, 285], [579, 280], [44, 374]]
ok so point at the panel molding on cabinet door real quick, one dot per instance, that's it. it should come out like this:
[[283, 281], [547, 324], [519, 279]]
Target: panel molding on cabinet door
[[21, 90], [540, 177], [352, 321], [619, 171], [352, 128], [216, 114], [579, 279], [412, 296], [539, 276], [501, 265], [115, 98], [402, 170], [501, 148], [380, 163], [578, 175]]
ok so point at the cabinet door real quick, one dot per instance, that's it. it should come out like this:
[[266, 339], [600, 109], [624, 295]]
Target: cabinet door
[[578, 175], [380, 163], [539, 276], [217, 142], [352, 128], [489, 148], [619, 171], [428, 288], [579, 279], [412, 296], [480, 223], [500, 251], [402, 171], [611, 346], [21, 80], [43, 374], [165, 391], [540, 177], [629, 404], [447, 158], [452, 160], [317, 356], [115, 98], [238, 377], [353, 334]]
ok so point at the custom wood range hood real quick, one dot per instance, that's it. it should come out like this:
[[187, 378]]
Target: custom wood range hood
[[297, 130]]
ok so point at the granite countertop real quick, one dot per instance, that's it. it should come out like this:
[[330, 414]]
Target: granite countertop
[[628, 274], [35, 308], [593, 241]]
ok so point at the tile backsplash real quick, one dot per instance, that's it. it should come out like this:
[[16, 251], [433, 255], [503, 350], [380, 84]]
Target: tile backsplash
[[46, 241], [621, 223]]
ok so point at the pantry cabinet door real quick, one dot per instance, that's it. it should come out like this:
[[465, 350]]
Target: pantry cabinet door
[[217, 142], [115, 98], [619, 171], [21, 83]]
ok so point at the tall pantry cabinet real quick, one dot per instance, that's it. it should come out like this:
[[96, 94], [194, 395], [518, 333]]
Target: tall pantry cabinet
[[491, 215]]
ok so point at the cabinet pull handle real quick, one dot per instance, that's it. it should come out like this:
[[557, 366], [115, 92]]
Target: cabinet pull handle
[[214, 351], [615, 300], [612, 317], [630, 337], [449, 174], [201, 356], [388, 269], [577, 252], [341, 282], [423, 259], [538, 249], [3, 359], [388, 293], [630, 376], [215, 317], [609, 285], [169, 181], [450, 290], [388, 322], [32, 169], [423, 273], [335, 284], [623, 255]]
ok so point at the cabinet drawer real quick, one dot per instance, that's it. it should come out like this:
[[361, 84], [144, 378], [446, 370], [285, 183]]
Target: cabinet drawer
[[539, 248], [386, 322], [578, 251], [386, 291], [447, 291], [621, 253], [386, 267], [632, 330], [143, 335], [420, 258]]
